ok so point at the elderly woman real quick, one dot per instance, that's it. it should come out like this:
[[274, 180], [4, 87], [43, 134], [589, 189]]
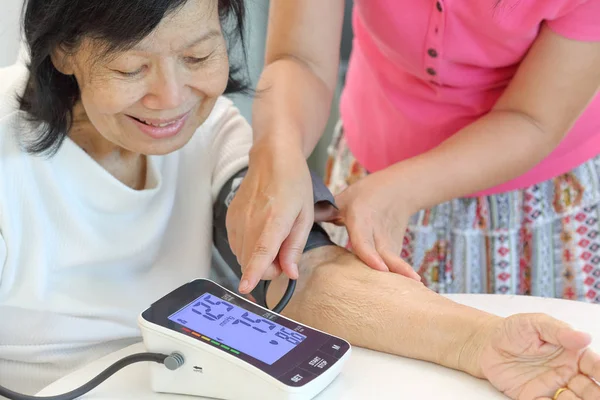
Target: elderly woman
[[118, 156]]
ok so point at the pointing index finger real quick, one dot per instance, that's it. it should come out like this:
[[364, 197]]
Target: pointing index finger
[[263, 253]]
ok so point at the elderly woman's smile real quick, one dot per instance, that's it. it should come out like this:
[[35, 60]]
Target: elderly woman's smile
[[160, 128]]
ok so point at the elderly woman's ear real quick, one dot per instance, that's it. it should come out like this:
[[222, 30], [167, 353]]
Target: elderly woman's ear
[[62, 60]]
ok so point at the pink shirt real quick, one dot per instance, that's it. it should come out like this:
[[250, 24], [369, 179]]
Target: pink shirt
[[422, 69]]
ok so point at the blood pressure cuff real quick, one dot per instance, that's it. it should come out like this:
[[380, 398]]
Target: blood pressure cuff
[[316, 238]]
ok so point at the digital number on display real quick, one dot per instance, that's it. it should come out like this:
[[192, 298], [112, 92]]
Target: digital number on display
[[238, 328]]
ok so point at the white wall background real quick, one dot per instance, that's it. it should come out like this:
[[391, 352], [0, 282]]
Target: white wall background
[[9, 31]]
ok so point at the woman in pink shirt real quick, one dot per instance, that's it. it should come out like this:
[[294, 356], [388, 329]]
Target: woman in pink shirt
[[468, 144]]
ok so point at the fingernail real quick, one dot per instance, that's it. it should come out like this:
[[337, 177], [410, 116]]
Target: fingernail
[[295, 271], [244, 285]]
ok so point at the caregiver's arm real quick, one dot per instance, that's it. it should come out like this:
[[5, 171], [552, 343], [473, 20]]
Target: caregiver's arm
[[270, 218], [552, 87], [300, 75], [386, 312]]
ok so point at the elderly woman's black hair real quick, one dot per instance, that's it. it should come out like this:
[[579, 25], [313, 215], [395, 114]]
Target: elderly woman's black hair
[[49, 96]]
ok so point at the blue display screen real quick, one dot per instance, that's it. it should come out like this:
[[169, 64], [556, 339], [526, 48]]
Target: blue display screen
[[238, 328]]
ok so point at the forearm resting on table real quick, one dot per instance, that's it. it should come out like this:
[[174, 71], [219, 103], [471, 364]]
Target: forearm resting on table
[[382, 311], [292, 105]]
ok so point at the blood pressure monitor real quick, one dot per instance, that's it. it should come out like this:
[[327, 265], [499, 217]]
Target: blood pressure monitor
[[235, 349]]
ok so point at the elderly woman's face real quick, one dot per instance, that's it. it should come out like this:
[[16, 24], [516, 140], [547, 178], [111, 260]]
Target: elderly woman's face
[[152, 98]]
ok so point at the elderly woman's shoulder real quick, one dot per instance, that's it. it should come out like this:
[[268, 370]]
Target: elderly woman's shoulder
[[225, 131], [225, 111], [225, 120]]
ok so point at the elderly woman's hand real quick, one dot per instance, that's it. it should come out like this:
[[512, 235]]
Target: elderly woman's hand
[[532, 356]]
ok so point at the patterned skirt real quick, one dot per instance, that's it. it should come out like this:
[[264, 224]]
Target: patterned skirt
[[542, 241]]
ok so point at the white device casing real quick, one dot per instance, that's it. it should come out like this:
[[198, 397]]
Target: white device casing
[[222, 375]]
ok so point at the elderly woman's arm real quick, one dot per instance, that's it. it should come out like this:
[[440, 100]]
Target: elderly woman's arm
[[526, 356], [386, 312]]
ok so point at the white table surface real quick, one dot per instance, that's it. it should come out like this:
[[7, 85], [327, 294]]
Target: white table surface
[[367, 374]]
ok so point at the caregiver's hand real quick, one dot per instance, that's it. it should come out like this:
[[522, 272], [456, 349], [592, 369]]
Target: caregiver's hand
[[375, 211], [271, 215], [531, 356]]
